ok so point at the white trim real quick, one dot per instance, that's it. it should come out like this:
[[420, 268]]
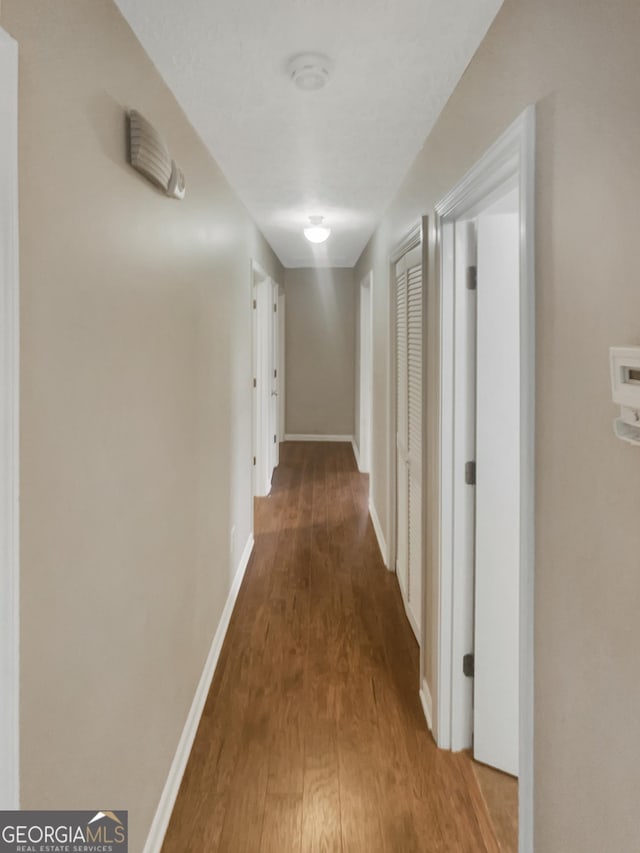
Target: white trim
[[411, 239], [528, 471], [162, 816], [356, 454], [282, 382], [510, 158], [273, 364], [379, 535], [425, 543], [365, 362], [417, 633], [304, 437], [463, 499], [427, 703], [9, 429], [262, 287]]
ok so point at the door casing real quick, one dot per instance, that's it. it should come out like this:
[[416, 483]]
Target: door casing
[[365, 375], [9, 428], [510, 161], [264, 295]]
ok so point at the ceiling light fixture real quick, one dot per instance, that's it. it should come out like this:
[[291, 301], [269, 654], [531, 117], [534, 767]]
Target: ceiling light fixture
[[309, 71], [317, 232]]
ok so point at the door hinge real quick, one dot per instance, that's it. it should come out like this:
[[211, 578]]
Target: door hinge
[[469, 665], [274, 439], [275, 306], [255, 383], [472, 278], [275, 374], [470, 473], [254, 460], [255, 304]]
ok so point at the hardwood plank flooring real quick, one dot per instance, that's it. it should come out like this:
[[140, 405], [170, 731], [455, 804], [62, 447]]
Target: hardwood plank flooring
[[313, 739], [500, 793]]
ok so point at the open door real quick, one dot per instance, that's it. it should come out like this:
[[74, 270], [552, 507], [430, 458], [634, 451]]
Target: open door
[[265, 380], [274, 408], [497, 540], [484, 530], [365, 390]]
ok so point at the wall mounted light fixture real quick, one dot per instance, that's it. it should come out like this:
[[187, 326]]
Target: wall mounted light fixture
[[149, 154]]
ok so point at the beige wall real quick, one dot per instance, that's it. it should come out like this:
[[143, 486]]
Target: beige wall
[[578, 61], [136, 427], [320, 351]]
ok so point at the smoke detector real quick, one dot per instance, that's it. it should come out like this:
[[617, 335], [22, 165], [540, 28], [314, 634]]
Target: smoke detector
[[309, 71]]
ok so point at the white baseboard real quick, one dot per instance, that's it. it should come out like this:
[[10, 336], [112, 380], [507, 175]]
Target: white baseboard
[[162, 816], [427, 704], [355, 452], [410, 617], [417, 633], [378, 529], [296, 437]]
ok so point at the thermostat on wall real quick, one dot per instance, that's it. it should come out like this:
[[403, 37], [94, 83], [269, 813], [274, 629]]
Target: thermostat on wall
[[625, 388]]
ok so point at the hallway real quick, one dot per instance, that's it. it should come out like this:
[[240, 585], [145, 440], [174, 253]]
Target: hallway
[[312, 738]]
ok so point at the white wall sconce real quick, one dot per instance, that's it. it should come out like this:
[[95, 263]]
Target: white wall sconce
[[149, 154], [317, 232]]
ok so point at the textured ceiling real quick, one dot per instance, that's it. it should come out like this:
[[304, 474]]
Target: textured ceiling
[[340, 152]]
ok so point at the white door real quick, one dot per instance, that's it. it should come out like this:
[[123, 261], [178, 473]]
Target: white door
[[273, 373], [281, 365], [364, 430], [496, 683], [409, 433], [265, 410]]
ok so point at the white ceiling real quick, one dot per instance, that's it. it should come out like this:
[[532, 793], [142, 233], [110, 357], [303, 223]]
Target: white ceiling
[[340, 152]]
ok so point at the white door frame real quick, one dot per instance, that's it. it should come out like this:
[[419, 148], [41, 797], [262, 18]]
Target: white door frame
[[365, 393], [262, 318], [412, 239], [274, 408], [281, 365], [510, 161], [9, 427]]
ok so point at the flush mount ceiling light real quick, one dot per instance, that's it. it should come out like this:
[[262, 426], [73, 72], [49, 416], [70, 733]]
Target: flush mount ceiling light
[[309, 71], [317, 232]]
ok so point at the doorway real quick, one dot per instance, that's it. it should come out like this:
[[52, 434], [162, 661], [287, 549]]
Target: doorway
[[365, 383], [9, 426], [484, 243], [281, 382], [266, 379]]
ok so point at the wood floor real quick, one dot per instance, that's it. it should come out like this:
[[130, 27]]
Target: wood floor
[[313, 738], [500, 793]]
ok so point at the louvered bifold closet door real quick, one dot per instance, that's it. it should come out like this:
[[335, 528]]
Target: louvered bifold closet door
[[409, 433], [402, 430], [414, 431]]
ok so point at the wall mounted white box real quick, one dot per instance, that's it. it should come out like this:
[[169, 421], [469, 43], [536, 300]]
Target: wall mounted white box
[[625, 389]]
